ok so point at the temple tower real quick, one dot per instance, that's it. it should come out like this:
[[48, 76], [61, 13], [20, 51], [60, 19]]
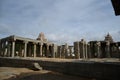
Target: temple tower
[[109, 38], [41, 37]]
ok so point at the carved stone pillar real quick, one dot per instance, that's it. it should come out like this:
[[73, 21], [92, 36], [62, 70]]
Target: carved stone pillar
[[4, 48], [0, 47], [34, 50], [76, 50], [86, 51], [82, 48], [41, 46], [8, 49], [98, 50], [53, 51], [60, 50], [108, 49], [13, 48], [47, 50], [25, 48]]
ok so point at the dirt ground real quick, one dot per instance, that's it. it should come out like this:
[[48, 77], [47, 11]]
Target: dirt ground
[[9, 73]]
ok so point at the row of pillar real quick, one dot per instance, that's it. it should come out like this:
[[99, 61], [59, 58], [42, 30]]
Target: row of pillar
[[65, 51], [11, 46], [81, 49]]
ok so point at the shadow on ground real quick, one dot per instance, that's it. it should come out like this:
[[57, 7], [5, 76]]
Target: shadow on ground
[[46, 76]]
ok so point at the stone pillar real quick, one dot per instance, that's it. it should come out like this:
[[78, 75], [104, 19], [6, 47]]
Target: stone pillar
[[86, 50], [0, 47], [108, 49], [98, 50], [4, 48], [70, 51], [59, 51], [13, 48], [53, 51], [66, 50], [76, 50], [41, 46], [117, 48], [34, 50], [8, 49], [47, 55], [25, 48], [63, 51], [82, 48], [29, 50]]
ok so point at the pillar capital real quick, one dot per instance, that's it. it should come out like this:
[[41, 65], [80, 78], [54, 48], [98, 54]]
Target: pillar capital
[[40, 43], [116, 44], [98, 43], [25, 42], [107, 43], [35, 43]]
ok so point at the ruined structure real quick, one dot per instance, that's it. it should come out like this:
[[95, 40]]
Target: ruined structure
[[14, 46], [97, 49]]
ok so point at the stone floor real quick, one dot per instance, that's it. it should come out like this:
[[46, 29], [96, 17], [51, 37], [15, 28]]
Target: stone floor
[[10, 73]]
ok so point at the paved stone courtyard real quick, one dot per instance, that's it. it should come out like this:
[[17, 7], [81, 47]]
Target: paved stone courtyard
[[10, 73]]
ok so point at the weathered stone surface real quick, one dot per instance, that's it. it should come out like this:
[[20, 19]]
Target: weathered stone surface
[[99, 70], [36, 66]]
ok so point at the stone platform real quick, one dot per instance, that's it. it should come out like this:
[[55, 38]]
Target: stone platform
[[107, 69]]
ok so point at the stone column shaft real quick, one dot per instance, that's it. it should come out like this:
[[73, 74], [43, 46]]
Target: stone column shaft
[[41, 49], [47, 50], [108, 49], [0, 47], [76, 50], [83, 47], [86, 51], [34, 50], [13, 48], [53, 51], [25, 49]]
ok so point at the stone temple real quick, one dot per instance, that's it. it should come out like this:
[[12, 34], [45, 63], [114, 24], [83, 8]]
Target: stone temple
[[15, 46]]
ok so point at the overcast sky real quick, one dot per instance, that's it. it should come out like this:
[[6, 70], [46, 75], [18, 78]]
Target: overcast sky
[[60, 20]]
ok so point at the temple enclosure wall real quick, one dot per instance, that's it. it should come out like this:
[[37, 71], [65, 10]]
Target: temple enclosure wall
[[92, 69]]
